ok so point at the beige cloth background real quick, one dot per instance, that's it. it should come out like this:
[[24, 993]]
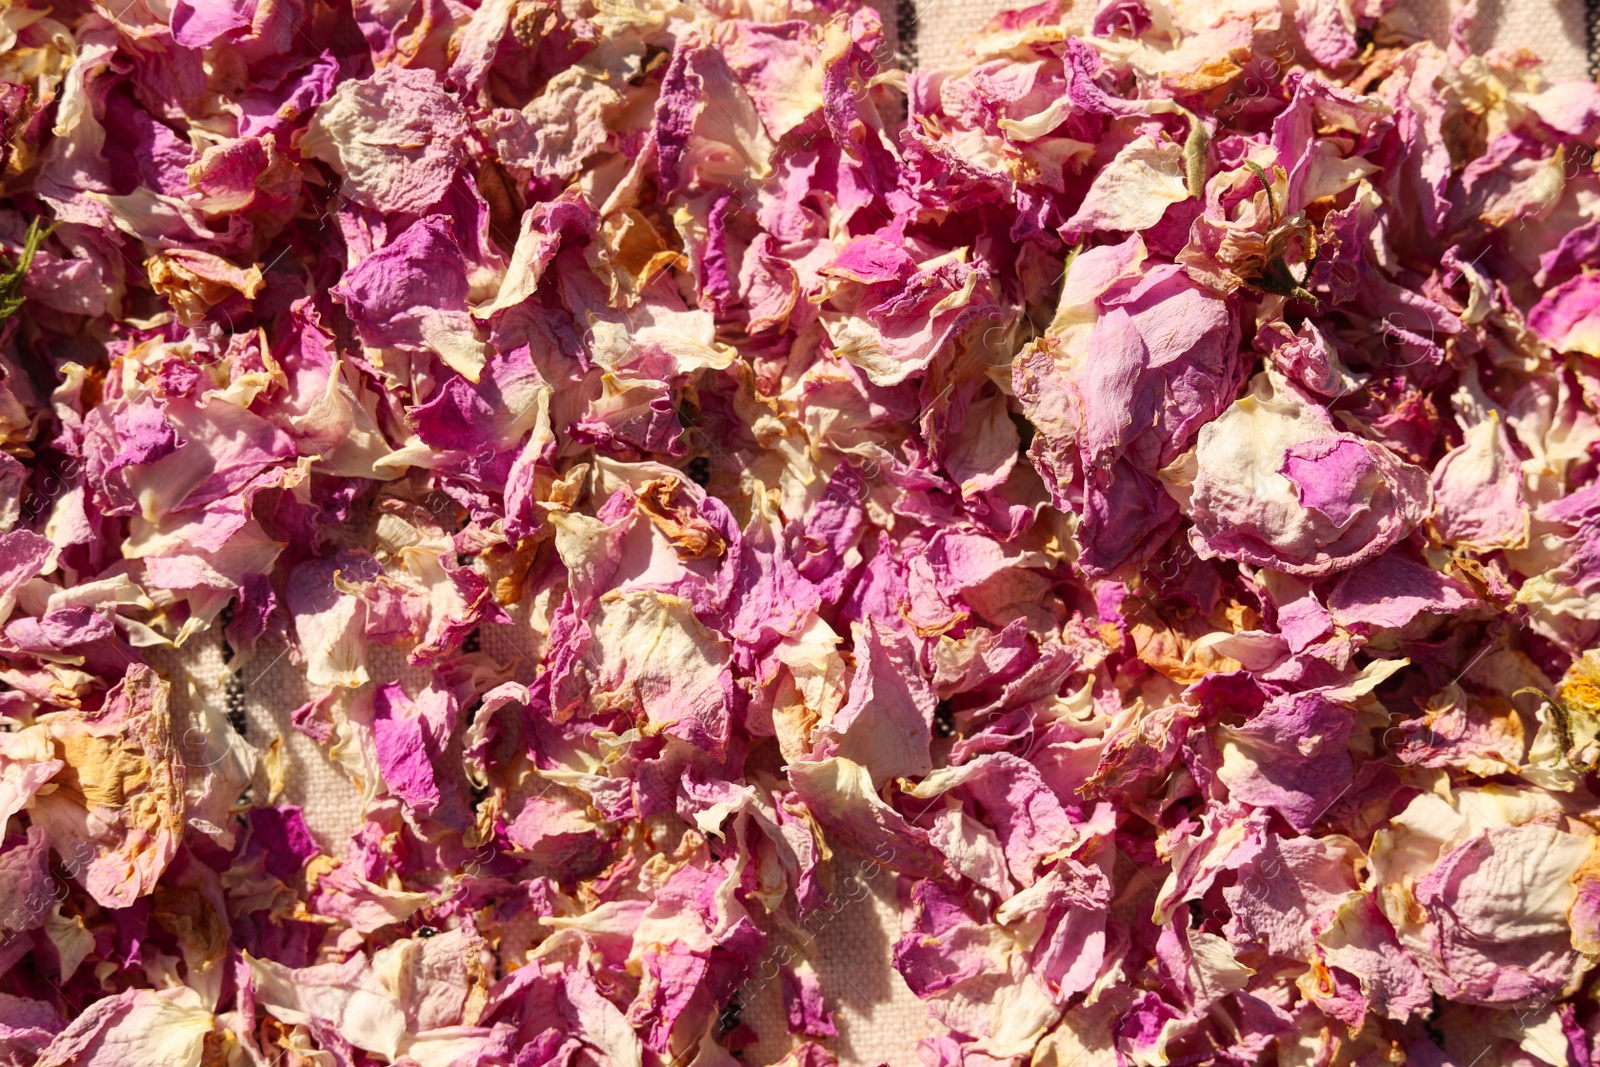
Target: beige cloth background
[[879, 1020]]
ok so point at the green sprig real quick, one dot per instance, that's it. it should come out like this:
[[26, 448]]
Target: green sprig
[[11, 297]]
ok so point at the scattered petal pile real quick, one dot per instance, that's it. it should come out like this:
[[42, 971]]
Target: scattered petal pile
[[1137, 489]]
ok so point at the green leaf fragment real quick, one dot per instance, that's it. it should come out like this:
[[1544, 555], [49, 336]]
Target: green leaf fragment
[[11, 297]]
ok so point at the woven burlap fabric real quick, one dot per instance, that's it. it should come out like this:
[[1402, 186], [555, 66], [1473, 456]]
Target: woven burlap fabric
[[879, 1020]]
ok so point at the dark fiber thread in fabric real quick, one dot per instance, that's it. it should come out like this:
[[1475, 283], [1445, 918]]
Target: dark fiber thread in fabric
[[1591, 25], [905, 24]]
